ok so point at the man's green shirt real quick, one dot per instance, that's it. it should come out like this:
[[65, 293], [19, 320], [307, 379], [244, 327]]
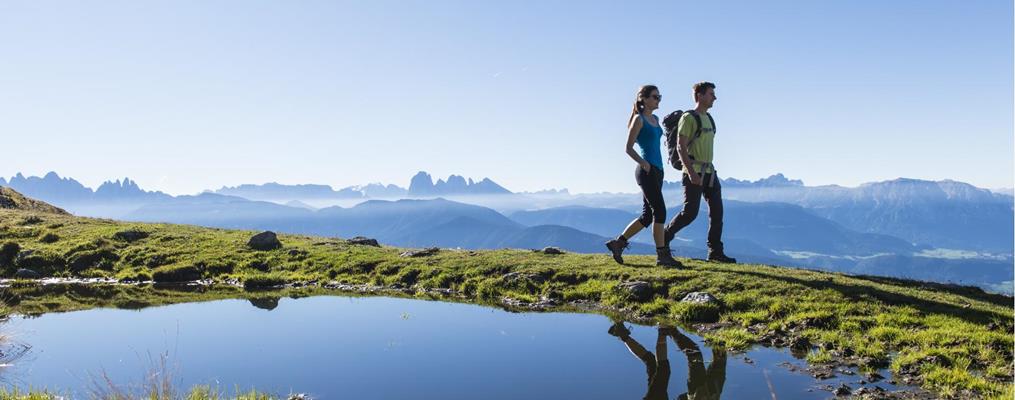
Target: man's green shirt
[[701, 149]]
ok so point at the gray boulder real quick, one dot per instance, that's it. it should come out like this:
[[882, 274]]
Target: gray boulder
[[552, 250], [130, 235], [699, 297], [266, 240], [364, 241], [637, 290]]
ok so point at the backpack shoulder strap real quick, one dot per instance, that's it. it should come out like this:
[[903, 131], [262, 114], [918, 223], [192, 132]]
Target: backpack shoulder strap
[[697, 120], [711, 120]]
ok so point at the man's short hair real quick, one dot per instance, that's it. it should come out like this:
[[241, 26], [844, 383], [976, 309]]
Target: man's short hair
[[701, 88]]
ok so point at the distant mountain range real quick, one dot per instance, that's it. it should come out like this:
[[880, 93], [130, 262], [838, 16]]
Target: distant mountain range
[[420, 186], [413, 223], [944, 214], [55, 189], [889, 228]]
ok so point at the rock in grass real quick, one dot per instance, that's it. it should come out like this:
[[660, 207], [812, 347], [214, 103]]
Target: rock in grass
[[421, 253], [552, 250], [700, 297], [265, 281], [266, 240], [637, 290], [25, 273], [130, 235], [364, 241], [8, 253], [513, 277], [176, 273]]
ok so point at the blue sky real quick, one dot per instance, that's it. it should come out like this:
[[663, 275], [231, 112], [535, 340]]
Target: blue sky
[[187, 95]]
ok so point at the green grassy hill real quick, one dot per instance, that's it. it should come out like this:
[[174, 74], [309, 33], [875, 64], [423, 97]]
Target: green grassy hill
[[956, 341]]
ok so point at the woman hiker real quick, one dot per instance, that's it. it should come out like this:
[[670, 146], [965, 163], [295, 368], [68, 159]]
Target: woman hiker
[[644, 129]]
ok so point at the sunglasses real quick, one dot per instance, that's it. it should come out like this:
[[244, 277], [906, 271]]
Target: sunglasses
[[657, 97]]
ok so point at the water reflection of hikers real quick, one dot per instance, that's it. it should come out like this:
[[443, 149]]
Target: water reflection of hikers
[[644, 129], [692, 150], [657, 366], [702, 383]]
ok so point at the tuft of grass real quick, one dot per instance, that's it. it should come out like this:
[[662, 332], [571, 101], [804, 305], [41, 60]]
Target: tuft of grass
[[695, 312], [49, 238], [262, 281], [820, 356], [18, 394], [732, 339]]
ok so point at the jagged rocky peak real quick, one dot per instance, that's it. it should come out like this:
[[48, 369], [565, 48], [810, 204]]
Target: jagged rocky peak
[[126, 185], [777, 180], [781, 180], [422, 185]]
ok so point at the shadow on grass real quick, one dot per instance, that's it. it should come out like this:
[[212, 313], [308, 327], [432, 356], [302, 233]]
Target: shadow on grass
[[866, 293]]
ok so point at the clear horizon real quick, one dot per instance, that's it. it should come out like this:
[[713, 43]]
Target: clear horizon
[[187, 96]]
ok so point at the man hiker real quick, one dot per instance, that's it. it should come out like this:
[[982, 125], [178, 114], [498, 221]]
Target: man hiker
[[696, 134]]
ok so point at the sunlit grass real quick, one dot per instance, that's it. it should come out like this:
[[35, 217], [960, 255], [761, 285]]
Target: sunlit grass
[[879, 321]]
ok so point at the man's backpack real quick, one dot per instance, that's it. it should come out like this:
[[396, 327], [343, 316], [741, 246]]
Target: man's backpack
[[670, 123]]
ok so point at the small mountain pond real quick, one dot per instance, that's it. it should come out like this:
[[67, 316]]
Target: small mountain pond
[[332, 347]]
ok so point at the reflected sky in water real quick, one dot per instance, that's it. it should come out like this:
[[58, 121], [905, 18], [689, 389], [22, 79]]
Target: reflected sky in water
[[385, 348]]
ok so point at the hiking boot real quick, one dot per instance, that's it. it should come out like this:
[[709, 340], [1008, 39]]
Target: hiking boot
[[720, 257], [617, 247], [619, 330], [665, 259]]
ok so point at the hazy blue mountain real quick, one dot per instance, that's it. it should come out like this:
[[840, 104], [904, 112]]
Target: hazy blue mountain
[[3, 182], [422, 185], [381, 191], [608, 222], [470, 233], [112, 199], [548, 192], [300, 204], [945, 214], [125, 191], [416, 223], [465, 232], [774, 226], [279, 192], [51, 188], [774, 181], [220, 211], [980, 272], [385, 219], [566, 238]]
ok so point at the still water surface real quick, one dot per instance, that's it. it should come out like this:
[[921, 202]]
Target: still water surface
[[386, 348]]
